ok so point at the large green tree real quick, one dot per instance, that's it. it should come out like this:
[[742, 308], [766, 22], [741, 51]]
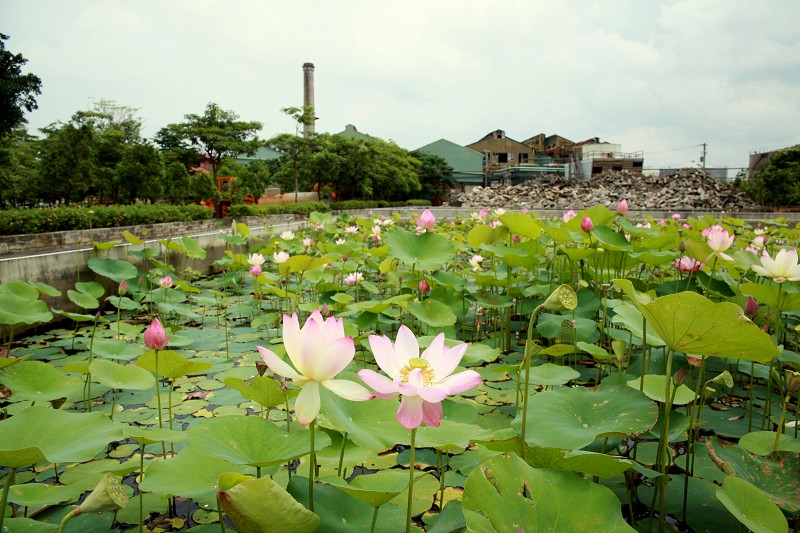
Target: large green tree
[[19, 163], [17, 90], [777, 183], [216, 134]]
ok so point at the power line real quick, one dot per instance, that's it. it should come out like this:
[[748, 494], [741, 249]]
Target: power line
[[694, 146]]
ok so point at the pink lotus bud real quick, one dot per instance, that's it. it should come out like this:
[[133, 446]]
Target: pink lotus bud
[[324, 310], [680, 376], [687, 226], [256, 270], [423, 286], [525, 210], [694, 361], [676, 216], [165, 282], [662, 222], [426, 220], [516, 238], [586, 224], [123, 287], [622, 207], [751, 307], [155, 337]]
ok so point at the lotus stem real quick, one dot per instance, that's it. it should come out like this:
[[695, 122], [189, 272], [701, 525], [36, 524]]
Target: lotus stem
[[9, 481], [311, 467], [158, 401], [374, 520], [69, 516], [141, 496], [411, 480], [221, 518], [779, 429], [527, 360], [341, 454]]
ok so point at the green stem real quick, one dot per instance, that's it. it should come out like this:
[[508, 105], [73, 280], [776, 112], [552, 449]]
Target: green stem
[[221, 519], [158, 401], [341, 454], [374, 520], [411, 480], [528, 352], [779, 430], [67, 517], [311, 467], [9, 481], [141, 495]]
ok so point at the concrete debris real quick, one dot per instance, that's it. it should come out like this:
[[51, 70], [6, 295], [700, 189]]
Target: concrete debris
[[686, 189]]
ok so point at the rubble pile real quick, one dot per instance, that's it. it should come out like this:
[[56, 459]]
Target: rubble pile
[[686, 189]]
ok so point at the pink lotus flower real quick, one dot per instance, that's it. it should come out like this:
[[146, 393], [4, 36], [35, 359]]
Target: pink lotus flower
[[123, 287], [155, 337], [676, 216], [165, 282], [687, 264], [426, 220], [256, 270], [423, 381], [351, 229], [423, 287], [569, 215], [586, 224], [319, 351], [751, 307], [308, 241], [719, 240], [783, 268], [353, 278], [622, 207]]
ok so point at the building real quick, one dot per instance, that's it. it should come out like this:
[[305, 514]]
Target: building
[[350, 132], [593, 157], [264, 153], [500, 152], [467, 164]]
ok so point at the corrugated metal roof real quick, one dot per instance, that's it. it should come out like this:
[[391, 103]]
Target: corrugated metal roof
[[463, 160]]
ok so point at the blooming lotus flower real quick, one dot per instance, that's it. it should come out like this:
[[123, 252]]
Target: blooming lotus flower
[[676, 216], [783, 268], [353, 278], [351, 229], [280, 257], [569, 215], [423, 381], [155, 337], [586, 224], [340, 241], [307, 242], [256, 259], [426, 220], [687, 264], [719, 240], [475, 261], [318, 351], [622, 207], [287, 235], [499, 211], [165, 282]]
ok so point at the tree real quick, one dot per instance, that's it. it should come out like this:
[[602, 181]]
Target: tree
[[67, 160], [18, 168], [217, 134], [435, 174], [17, 90], [778, 182]]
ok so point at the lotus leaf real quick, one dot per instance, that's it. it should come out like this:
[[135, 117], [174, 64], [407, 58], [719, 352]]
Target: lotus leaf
[[38, 381], [751, 506], [428, 251], [114, 269]]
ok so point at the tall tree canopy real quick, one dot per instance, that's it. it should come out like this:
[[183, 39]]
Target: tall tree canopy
[[17, 90], [217, 134]]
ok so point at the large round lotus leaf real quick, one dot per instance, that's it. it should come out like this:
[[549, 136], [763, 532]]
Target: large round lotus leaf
[[450, 436], [572, 418], [372, 425], [691, 323], [192, 248], [654, 385], [20, 304], [626, 314], [493, 500], [40, 494], [38, 382], [776, 474], [480, 235], [432, 313], [263, 390], [242, 498], [551, 374], [340, 512], [250, 440], [751, 506], [552, 326], [28, 525], [92, 288], [116, 376], [171, 364], [84, 301], [428, 251], [610, 239], [116, 349], [113, 269], [150, 436], [373, 489], [593, 464], [15, 457], [191, 474], [763, 442], [302, 263], [521, 224], [62, 436]]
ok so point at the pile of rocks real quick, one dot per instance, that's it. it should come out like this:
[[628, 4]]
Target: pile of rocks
[[686, 189]]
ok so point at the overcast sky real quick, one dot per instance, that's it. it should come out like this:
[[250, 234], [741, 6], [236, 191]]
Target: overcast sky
[[661, 77]]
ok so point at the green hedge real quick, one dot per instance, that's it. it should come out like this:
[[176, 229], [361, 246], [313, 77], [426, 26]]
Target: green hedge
[[305, 208], [24, 221]]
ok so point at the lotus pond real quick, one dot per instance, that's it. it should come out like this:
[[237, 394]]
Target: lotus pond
[[595, 372]]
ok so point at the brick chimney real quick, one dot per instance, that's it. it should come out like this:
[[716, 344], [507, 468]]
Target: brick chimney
[[308, 97]]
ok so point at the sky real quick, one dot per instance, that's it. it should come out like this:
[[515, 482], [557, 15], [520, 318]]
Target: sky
[[658, 77]]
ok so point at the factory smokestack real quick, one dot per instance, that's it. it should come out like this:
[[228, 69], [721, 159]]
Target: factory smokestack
[[308, 98]]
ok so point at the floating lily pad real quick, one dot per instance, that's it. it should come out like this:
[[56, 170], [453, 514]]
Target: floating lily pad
[[751, 506], [551, 374], [116, 376], [38, 381]]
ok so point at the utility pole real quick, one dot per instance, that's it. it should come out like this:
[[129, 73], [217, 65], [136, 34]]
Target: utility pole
[[703, 157]]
